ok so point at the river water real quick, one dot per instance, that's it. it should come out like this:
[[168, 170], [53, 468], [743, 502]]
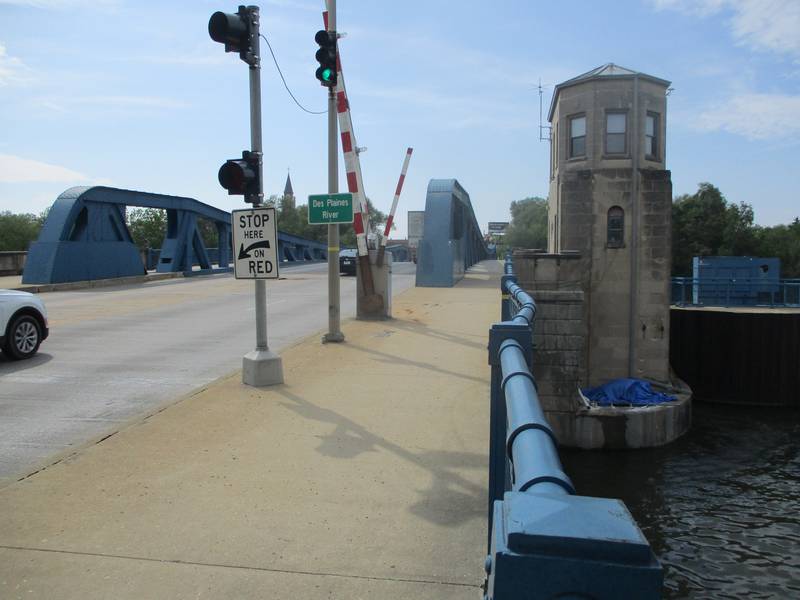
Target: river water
[[720, 506]]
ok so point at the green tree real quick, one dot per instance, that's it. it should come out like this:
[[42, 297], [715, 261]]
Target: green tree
[[782, 241], [698, 226], [17, 231], [704, 224], [148, 226], [740, 234], [208, 232], [528, 227]]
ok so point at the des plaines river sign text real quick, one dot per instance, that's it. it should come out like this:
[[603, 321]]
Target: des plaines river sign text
[[327, 209]]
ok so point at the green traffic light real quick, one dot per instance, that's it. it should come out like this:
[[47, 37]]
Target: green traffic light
[[326, 74]]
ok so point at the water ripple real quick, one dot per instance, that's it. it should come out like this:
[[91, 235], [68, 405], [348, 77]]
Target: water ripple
[[721, 506]]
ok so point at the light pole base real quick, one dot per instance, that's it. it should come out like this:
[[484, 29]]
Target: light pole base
[[262, 368], [333, 338]]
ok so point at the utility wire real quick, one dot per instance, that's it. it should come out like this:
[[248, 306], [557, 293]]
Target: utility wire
[[275, 60]]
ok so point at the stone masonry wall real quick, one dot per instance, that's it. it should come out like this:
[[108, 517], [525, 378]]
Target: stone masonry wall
[[560, 333], [609, 287], [559, 348], [655, 264]]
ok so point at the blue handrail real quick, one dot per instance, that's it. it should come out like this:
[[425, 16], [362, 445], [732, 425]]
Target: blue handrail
[[545, 541]]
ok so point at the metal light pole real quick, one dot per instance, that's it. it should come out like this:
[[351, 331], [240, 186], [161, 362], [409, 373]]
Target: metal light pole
[[334, 296], [261, 366]]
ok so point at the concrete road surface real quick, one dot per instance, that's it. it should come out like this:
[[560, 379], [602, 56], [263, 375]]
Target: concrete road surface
[[117, 353]]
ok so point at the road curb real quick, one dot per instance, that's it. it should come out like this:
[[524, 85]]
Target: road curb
[[36, 288]]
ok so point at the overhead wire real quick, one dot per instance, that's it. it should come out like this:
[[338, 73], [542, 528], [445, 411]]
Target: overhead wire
[[275, 60]]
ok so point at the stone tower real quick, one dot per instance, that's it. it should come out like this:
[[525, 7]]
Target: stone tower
[[611, 200]]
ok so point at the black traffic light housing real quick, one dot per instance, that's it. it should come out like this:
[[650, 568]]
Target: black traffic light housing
[[326, 57], [241, 176], [238, 31]]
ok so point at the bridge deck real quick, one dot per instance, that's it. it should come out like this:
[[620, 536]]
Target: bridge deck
[[365, 475]]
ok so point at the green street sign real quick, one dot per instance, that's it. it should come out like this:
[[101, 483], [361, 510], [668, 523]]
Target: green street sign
[[326, 209]]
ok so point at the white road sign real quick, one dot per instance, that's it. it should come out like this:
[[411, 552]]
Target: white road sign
[[255, 243]]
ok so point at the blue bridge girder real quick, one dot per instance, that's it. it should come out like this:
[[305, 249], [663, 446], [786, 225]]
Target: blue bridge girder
[[85, 237], [293, 248], [452, 240]]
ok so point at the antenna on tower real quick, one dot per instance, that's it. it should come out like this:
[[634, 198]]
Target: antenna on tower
[[542, 127]]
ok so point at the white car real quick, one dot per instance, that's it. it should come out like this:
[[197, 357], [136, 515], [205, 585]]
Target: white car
[[23, 324]]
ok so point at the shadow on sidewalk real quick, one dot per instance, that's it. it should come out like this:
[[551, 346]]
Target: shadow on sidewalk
[[420, 328], [393, 359], [449, 501]]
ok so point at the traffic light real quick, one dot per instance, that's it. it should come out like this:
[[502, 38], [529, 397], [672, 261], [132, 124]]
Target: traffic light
[[326, 57], [240, 176], [238, 31]]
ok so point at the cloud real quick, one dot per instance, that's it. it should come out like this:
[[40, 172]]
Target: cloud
[[191, 60], [769, 25], [701, 8], [772, 25], [309, 6], [111, 103], [12, 70], [15, 169], [131, 101], [448, 110], [61, 4], [755, 116]]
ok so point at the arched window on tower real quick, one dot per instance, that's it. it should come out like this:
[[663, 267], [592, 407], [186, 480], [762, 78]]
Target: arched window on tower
[[616, 228]]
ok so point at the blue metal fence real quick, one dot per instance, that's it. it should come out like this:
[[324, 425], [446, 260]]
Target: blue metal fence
[[735, 291], [544, 541]]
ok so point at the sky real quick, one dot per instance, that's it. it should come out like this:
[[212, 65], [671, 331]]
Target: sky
[[134, 94]]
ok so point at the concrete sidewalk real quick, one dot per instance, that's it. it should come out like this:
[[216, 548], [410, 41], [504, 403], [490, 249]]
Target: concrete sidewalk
[[364, 476]]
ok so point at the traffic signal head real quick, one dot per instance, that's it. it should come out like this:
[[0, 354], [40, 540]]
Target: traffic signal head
[[326, 57], [238, 31], [241, 176]]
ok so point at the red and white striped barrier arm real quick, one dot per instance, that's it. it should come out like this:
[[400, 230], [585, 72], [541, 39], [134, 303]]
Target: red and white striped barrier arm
[[396, 197], [352, 163]]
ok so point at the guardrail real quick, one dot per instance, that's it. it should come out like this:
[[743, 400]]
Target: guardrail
[[741, 291], [545, 541]]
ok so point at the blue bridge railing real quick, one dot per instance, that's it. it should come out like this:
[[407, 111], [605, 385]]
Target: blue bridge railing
[[545, 541], [739, 291]]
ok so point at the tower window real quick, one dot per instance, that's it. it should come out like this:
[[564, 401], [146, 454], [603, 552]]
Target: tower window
[[616, 227], [651, 136], [616, 126], [577, 136]]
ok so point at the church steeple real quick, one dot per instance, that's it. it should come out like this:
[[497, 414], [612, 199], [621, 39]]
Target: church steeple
[[287, 201], [287, 189]]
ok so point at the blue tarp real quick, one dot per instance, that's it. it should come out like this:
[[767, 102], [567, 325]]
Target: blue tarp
[[626, 392]]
